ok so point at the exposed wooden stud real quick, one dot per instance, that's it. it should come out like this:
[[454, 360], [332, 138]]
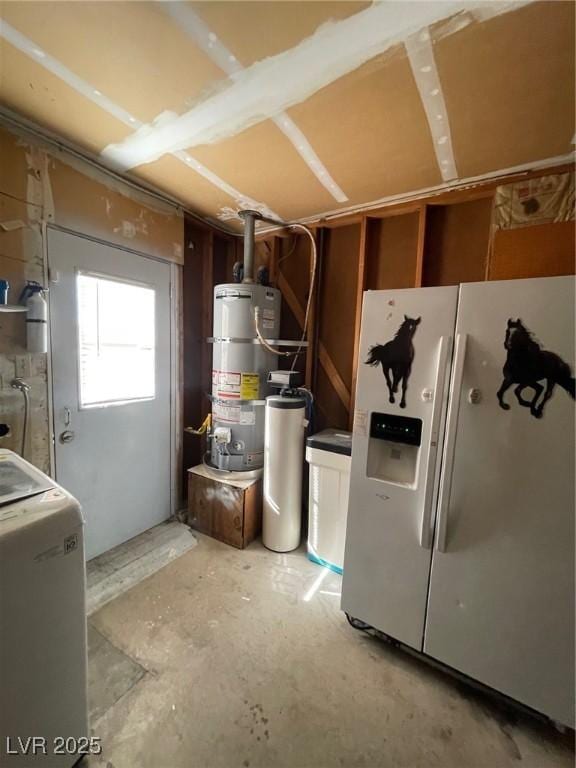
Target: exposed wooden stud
[[207, 302], [274, 259], [291, 299], [420, 247], [335, 379], [323, 356], [323, 238], [311, 335], [360, 287], [490, 249]]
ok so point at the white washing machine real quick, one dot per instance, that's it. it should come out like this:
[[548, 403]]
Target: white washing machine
[[43, 685]]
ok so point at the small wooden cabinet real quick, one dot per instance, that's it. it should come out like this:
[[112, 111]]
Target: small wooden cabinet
[[227, 510]]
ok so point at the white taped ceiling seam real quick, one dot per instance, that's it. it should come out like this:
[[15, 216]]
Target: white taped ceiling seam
[[423, 65], [334, 50]]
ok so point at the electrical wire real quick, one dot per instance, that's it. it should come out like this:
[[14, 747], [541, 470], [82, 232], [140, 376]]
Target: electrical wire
[[314, 254], [261, 339], [290, 252]]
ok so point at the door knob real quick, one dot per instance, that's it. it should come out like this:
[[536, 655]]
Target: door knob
[[67, 436]]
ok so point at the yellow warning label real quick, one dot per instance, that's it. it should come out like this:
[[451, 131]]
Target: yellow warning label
[[249, 386]]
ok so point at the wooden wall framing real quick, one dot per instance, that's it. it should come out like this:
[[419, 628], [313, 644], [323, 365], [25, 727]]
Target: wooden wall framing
[[444, 239]]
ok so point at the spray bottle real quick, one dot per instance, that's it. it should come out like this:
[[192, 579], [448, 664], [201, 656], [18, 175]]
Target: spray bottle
[[32, 297]]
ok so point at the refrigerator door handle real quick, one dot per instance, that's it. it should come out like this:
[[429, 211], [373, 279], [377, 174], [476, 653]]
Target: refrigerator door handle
[[425, 529], [450, 442]]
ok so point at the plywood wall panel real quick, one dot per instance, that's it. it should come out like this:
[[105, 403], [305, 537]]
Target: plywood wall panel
[[509, 87], [392, 251], [456, 242], [541, 251]]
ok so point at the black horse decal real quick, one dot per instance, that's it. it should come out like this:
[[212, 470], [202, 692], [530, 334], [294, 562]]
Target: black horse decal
[[396, 358], [527, 364]]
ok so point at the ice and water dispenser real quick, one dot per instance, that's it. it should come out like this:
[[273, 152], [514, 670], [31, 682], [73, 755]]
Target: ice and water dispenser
[[393, 448]]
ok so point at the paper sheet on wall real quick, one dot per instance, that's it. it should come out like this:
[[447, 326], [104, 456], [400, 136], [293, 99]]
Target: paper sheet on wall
[[544, 200]]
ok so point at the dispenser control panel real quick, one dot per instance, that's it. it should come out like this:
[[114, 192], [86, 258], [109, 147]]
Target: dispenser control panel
[[396, 429]]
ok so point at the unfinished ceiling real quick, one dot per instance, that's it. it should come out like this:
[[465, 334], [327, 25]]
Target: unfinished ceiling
[[295, 108]]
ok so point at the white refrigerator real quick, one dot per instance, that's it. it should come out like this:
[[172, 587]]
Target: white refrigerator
[[460, 537]]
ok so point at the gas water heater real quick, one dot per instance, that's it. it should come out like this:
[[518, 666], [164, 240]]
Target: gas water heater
[[246, 348], [240, 367]]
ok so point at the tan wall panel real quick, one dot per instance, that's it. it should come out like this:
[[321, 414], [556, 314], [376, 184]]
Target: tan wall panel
[[13, 176], [131, 51], [371, 131], [509, 87], [86, 206], [78, 197], [255, 30], [262, 163]]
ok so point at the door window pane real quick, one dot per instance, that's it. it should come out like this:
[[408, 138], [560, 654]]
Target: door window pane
[[116, 340]]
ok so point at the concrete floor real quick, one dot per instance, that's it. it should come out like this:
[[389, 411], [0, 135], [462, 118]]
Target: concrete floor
[[229, 658]]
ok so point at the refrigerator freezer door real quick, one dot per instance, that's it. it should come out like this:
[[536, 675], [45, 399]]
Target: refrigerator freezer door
[[501, 606], [406, 338]]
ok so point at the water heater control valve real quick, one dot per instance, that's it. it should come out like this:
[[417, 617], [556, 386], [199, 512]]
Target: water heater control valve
[[222, 435]]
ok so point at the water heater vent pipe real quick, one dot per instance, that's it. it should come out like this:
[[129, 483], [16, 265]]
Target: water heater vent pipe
[[249, 218]]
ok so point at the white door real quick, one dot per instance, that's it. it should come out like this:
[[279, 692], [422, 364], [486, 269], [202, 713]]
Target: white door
[[110, 334], [501, 606], [406, 335]]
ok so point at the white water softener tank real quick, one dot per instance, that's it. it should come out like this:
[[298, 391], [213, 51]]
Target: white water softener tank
[[240, 367], [283, 458]]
